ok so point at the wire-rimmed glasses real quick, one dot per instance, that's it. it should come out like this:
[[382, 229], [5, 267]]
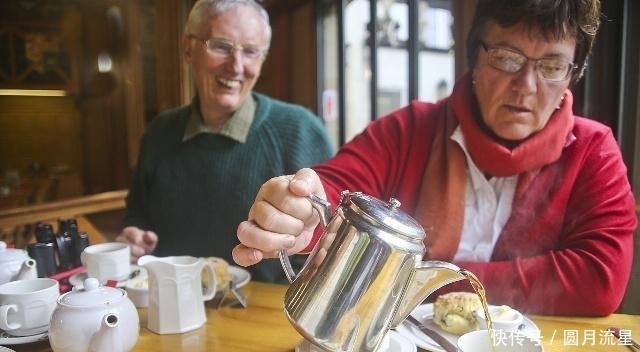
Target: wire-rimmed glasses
[[552, 69], [224, 49]]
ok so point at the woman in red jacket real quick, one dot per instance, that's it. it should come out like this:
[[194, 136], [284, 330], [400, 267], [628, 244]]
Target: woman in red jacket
[[506, 181]]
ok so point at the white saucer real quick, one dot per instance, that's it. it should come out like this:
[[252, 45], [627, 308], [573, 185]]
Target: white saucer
[[424, 313], [77, 280], [397, 343], [6, 339], [239, 276]]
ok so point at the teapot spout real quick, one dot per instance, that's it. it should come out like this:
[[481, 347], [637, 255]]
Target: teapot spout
[[429, 276], [28, 270], [107, 338]]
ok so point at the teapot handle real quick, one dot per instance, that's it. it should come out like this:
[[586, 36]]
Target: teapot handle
[[324, 209]]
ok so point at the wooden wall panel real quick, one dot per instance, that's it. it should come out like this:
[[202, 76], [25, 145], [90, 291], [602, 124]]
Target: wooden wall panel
[[44, 130], [275, 76], [289, 70], [173, 83], [302, 48]]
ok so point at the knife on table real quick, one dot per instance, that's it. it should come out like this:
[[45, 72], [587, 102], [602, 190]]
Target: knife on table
[[436, 336], [627, 340]]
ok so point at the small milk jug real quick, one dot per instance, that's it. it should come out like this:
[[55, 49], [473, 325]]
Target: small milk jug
[[176, 293]]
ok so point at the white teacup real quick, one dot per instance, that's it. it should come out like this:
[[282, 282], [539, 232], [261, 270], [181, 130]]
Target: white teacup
[[480, 341], [26, 305], [107, 261]]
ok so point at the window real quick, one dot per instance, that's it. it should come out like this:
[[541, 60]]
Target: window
[[410, 57]]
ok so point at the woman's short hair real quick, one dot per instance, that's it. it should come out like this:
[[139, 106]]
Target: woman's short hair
[[555, 19]]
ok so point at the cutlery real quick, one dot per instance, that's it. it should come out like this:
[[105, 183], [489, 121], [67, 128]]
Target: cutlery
[[627, 340], [238, 297], [436, 336]]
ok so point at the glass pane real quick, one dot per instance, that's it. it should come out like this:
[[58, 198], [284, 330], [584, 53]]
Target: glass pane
[[435, 58], [393, 57], [330, 95], [436, 62], [358, 70]]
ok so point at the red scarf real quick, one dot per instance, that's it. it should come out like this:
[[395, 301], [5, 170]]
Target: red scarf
[[440, 209]]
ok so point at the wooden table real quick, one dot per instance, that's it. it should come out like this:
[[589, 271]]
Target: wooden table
[[553, 329], [263, 327]]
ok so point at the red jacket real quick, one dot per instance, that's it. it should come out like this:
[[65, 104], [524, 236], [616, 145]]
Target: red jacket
[[567, 248]]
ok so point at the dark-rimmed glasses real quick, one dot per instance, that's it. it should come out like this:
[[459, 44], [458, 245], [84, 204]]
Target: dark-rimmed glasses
[[224, 49], [510, 61]]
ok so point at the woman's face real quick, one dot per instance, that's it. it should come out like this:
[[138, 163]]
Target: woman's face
[[225, 81], [516, 105]]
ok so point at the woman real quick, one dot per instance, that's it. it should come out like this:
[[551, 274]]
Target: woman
[[506, 181]]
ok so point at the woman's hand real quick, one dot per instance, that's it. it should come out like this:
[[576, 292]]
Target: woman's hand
[[280, 218], [141, 242]]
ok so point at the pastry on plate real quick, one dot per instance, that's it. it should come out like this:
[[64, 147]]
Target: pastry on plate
[[453, 312], [221, 269]]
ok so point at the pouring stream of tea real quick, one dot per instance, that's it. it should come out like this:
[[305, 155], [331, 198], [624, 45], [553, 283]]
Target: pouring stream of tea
[[477, 286]]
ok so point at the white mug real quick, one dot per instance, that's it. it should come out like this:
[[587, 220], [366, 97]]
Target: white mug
[[26, 305], [480, 341], [107, 261]]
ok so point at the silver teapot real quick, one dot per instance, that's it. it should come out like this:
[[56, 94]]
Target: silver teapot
[[365, 275]]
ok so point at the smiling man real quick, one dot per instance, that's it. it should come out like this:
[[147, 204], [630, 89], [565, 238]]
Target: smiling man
[[200, 165]]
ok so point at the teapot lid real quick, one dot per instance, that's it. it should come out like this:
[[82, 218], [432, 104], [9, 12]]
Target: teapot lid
[[91, 294], [11, 254], [387, 214]]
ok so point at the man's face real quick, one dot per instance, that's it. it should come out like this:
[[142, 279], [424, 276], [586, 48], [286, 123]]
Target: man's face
[[225, 71]]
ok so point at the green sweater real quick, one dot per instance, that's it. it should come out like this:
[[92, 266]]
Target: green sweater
[[194, 194]]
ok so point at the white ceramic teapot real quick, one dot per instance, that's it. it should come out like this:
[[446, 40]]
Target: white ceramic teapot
[[15, 264], [95, 318]]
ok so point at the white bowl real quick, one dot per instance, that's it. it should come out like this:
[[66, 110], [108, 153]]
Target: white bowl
[[504, 318], [479, 341], [138, 291]]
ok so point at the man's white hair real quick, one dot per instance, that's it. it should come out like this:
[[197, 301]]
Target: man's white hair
[[202, 9]]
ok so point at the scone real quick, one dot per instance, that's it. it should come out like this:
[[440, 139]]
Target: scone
[[221, 268], [453, 312]]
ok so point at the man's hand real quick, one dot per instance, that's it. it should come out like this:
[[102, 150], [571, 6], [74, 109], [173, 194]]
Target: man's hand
[[141, 242]]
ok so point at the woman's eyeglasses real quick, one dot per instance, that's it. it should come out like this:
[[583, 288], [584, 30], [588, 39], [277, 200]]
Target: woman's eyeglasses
[[510, 61], [224, 49]]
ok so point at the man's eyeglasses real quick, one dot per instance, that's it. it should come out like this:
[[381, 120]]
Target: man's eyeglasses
[[510, 61], [224, 49]]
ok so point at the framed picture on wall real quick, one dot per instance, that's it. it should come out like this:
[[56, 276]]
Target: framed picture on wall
[[33, 57]]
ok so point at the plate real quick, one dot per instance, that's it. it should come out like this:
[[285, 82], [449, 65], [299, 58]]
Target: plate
[[239, 276], [424, 313], [400, 343], [77, 280], [397, 343], [6, 339]]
